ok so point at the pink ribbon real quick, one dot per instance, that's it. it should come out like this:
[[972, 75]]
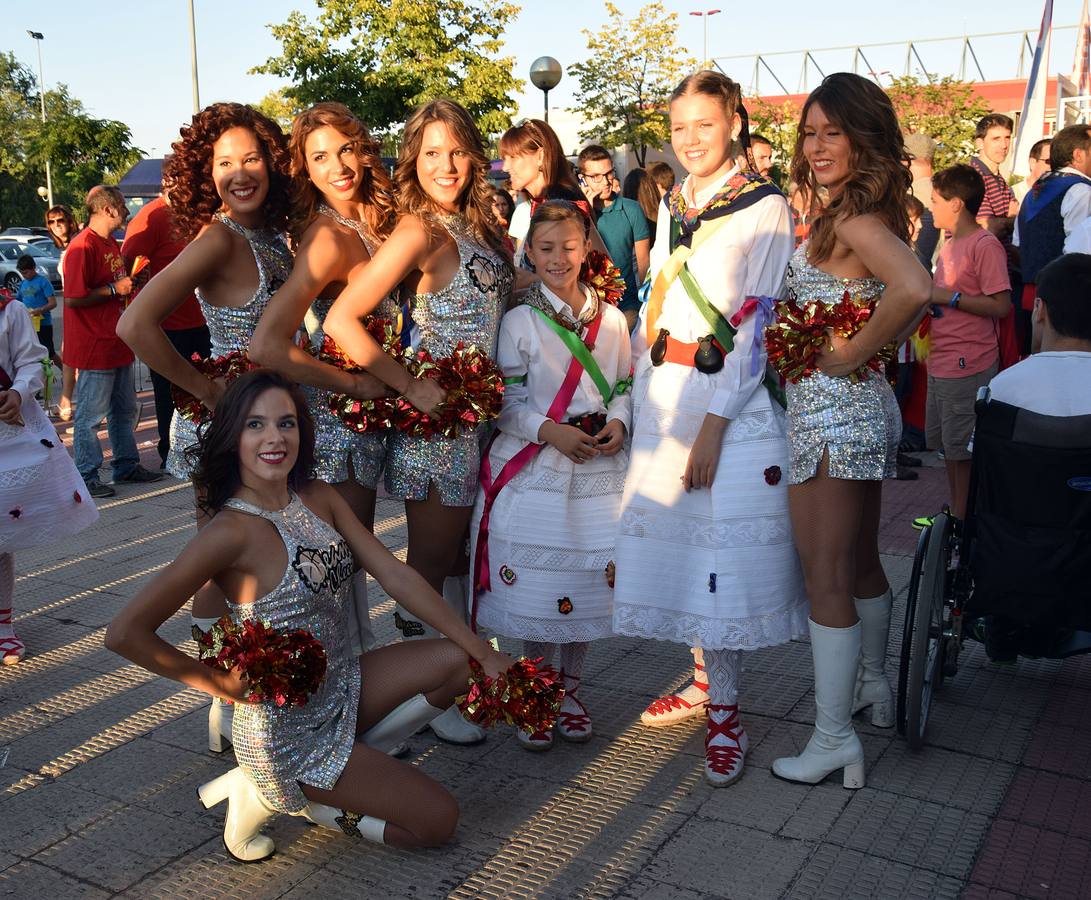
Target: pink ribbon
[[513, 466]]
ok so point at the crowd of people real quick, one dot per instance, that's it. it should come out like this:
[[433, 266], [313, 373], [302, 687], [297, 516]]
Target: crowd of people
[[648, 475]]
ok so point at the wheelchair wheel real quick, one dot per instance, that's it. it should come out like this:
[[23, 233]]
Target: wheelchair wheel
[[923, 642]]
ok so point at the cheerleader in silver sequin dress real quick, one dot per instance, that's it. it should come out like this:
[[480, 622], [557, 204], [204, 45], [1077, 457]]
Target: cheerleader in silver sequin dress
[[342, 209], [843, 436], [282, 548], [228, 191], [448, 255]]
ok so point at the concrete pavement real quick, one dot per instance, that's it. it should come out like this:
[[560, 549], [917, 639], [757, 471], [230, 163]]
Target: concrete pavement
[[100, 761]]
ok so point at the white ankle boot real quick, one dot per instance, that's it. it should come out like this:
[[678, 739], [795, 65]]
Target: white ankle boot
[[221, 712], [451, 727], [247, 811], [833, 745], [350, 823], [404, 720], [872, 687]]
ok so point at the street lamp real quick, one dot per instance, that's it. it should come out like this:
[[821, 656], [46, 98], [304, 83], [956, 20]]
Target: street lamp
[[545, 74], [39, 37], [193, 59], [704, 15]]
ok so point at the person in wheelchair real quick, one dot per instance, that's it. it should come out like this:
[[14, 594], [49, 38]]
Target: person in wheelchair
[[1028, 533]]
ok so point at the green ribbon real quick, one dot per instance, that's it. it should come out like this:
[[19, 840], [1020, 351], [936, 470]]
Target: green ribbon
[[49, 374], [515, 379], [579, 350]]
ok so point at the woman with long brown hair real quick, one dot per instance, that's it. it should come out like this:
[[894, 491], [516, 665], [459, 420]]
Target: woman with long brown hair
[[63, 227], [342, 210], [446, 252], [843, 432], [228, 191]]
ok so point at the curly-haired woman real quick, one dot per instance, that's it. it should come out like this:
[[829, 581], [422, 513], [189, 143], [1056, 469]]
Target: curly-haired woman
[[451, 258], [843, 433], [228, 190], [342, 210]]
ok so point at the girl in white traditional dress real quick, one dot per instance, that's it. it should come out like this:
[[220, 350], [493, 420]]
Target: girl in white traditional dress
[[42, 497], [546, 516], [705, 553]]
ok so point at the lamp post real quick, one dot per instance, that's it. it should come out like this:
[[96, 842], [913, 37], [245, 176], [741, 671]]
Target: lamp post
[[545, 74], [193, 59], [704, 15], [39, 37]]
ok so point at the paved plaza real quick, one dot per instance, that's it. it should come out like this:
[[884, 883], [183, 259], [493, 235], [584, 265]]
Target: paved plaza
[[100, 762]]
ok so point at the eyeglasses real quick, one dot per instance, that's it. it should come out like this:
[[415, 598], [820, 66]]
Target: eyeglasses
[[604, 176], [55, 221]]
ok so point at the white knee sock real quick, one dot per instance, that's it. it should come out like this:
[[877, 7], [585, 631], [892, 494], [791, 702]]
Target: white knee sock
[[7, 589], [722, 668]]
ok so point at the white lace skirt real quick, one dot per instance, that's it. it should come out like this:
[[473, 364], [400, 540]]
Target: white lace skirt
[[42, 497], [551, 538], [714, 568]]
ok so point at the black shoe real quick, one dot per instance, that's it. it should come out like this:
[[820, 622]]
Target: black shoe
[[97, 489], [138, 475], [911, 461]]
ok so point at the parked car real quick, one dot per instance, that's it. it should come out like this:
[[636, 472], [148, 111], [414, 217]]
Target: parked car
[[10, 251], [25, 231]]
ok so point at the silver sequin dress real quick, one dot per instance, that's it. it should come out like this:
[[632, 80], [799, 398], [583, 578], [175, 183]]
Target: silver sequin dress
[[860, 423], [334, 443], [230, 327], [467, 310], [279, 747]]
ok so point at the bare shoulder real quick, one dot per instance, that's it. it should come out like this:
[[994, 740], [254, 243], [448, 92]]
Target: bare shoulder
[[319, 496], [863, 229], [413, 231]]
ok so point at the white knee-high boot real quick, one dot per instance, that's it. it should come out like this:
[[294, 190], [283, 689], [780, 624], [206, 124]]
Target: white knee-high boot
[[451, 726], [353, 824], [834, 744], [221, 712], [361, 637], [404, 720], [247, 811], [872, 686]]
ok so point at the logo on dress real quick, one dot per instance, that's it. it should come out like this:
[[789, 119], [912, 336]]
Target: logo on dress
[[564, 606], [507, 575], [486, 274], [319, 569], [408, 627]]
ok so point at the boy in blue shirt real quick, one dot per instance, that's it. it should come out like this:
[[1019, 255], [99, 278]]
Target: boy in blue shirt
[[36, 294]]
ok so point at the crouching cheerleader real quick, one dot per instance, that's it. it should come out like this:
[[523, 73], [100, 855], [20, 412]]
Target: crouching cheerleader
[[705, 553], [545, 522], [281, 548]]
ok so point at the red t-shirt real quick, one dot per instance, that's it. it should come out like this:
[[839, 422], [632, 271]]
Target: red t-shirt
[[151, 234], [962, 343], [90, 332]]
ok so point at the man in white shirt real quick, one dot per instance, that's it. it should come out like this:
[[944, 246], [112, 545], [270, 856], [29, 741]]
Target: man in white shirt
[[1054, 380]]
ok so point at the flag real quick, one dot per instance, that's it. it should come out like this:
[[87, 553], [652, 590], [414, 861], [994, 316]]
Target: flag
[[1032, 119], [1081, 64]]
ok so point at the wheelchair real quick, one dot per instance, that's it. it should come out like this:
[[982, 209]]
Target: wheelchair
[[1016, 573]]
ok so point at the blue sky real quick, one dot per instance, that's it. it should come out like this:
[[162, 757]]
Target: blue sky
[[129, 60]]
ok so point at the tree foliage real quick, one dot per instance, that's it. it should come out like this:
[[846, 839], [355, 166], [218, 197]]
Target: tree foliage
[[625, 84], [280, 108], [778, 123], [382, 58], [83, 151], [945, 109]]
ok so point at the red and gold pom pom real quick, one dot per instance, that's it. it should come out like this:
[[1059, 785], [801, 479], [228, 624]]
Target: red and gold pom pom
[[362, 415], [284, 668], [801, 332], [475, 393], [227, 367], [599, 272], [525, 696]]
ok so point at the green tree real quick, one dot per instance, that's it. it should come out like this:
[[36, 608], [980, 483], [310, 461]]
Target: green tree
[[381, 58], [778, 124], [280, 108], [83, 151], [946, 109], [625, 84]]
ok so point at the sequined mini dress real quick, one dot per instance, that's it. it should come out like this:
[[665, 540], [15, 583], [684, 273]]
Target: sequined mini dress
[[859, 424], [467, 310], [336, 445], [280, 747], [230, 327]]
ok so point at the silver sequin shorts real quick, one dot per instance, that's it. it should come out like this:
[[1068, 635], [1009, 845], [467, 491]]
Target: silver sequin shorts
[[452, 464], [860, 424]]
